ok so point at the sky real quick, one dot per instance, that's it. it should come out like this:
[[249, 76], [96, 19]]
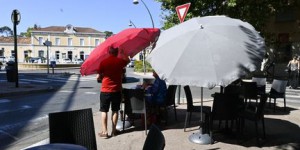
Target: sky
[[102, 15]]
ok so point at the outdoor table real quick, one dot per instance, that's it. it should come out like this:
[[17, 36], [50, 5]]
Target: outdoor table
[[58, 146]]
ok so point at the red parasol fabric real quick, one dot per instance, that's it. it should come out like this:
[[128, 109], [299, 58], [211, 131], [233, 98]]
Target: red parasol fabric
[[130, 41]]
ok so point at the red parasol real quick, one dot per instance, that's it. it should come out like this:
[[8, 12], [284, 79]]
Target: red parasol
[[131, 41]]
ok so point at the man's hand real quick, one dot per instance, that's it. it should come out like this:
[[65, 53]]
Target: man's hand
[[123, 56]]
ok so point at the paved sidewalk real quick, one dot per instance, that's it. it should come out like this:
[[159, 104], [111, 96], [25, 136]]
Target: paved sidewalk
[[282, 128]]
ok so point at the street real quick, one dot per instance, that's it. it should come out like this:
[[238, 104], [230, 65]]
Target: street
[[24, 118]]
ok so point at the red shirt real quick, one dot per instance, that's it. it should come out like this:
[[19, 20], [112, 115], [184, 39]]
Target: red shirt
[[112, 70]]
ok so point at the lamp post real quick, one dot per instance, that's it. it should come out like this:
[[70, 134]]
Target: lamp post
[[131, 24], [137, 2], [144, 51], [47, 43], [16, 18]]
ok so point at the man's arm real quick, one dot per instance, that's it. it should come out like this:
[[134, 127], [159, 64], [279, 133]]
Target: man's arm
[[123, 56]]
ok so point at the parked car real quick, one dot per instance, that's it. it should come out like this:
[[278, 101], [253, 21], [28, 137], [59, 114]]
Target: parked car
[[131, 63], [2, 59], [66, 61], [78, 61], [10, 58], [35, 60]]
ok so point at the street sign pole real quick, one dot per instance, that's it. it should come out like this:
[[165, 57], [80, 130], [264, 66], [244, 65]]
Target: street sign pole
[[181, 12]]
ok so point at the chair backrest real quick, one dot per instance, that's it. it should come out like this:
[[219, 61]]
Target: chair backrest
[[261, 84], [155, 139], [249, 90], [137, 101], [279, 85], [259, 81], [189, 97], [225, 106], [74, 127], [170, 97], [233, 89]]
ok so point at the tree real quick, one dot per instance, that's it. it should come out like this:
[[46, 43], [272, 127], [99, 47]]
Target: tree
[[256, 12], [108, 34], [6, 30], [29, 30]]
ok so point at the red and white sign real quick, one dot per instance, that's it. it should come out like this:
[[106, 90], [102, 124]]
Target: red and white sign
[[182, 11]]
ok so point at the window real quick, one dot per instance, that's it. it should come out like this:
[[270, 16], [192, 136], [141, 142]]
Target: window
[[57, 41], [57, 55], [41, 40], [70, 43], [63, 55], [97, 42], [81, 42], [12, 52], [81, 55], [41, 53]]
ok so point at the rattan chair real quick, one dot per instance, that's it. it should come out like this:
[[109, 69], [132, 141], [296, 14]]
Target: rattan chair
[[155, 139], [192, 108], [256, 116], [277, 91], [74, 127]]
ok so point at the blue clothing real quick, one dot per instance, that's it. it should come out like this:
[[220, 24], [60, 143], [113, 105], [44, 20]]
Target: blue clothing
[[158, 92]]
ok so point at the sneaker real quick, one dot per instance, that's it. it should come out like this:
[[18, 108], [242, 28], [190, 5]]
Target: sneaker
[[103, 135]]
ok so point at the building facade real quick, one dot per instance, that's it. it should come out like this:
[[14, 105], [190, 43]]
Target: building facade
[[284, 32], [66, 42]]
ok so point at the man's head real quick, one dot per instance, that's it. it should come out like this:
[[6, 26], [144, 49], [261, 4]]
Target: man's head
[[295, 57], [113, 51]]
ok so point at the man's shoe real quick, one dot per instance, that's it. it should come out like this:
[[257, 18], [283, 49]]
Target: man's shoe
[[103, 135]]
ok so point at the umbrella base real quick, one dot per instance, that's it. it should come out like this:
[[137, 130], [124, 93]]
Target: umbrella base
[[119, 126], [200, 138]]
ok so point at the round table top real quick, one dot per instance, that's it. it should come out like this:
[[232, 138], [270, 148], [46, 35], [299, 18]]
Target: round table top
[[58, 146]]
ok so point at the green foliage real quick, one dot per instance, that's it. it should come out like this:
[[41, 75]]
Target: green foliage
[[27, 59], [138, 66], [6, 30], [256, 12], [108, 34], [28, 32]]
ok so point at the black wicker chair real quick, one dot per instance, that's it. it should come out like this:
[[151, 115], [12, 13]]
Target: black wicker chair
[[155, 139], [74, 127]]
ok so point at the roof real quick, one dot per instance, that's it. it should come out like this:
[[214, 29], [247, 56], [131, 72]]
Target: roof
[[21, 40], [63, 28]]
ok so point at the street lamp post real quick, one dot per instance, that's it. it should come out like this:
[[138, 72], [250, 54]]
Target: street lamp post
[[137, 2], [16, 18], [131, 24], [47, 43], [144, 51]]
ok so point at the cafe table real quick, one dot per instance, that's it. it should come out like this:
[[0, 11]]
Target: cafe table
[[58, 146]]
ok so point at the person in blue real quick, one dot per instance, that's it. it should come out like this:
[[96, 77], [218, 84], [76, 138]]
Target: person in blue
[[157, 91], [156, 95]]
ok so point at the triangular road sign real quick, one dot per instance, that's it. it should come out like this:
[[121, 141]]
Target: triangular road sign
[[182, 11]]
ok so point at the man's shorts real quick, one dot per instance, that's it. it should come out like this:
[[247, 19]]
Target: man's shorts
[[107, 98]]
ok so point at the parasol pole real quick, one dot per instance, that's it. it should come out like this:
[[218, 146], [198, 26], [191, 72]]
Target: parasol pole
[[200, 138]]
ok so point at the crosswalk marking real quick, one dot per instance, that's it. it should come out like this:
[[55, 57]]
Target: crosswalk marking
[[4, 101], [55, 79], [39, 81]]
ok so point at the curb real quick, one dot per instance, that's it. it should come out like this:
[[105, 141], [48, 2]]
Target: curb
[[29, 91]]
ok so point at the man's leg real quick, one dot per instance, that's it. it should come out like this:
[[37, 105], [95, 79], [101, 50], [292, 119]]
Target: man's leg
[[104, 107], [114, 120], [104, 122]]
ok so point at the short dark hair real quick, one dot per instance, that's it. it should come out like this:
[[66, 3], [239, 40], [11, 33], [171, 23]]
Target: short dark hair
[[113, 51]]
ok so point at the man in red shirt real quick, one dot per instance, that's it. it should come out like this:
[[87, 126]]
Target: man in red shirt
[[111, 70]]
